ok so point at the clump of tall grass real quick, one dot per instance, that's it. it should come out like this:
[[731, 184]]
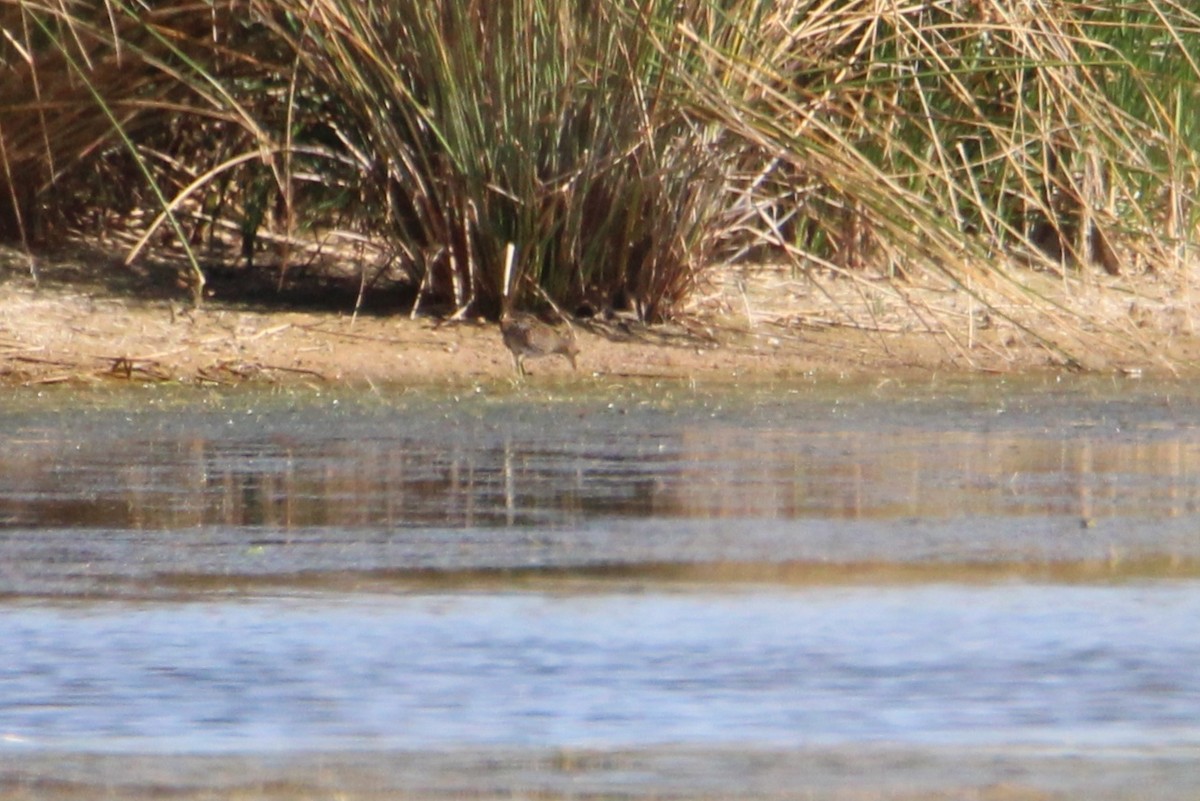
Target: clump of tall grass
[[59, 66], [959, 134], [549, 125], [111, 110]]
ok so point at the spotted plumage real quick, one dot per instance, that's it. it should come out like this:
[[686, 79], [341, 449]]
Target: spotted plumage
[[525, 336]]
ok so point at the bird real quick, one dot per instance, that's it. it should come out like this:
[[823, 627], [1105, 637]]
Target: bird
[[526, 336]]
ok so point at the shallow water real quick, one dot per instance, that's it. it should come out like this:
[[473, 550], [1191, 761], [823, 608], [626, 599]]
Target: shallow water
[[939, 664], [985, 563]]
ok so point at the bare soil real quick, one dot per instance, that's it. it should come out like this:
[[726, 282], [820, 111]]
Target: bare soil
[[849, 773], [87, 318]]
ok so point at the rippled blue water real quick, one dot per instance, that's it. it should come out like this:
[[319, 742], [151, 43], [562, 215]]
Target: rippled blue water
[[928, 664]]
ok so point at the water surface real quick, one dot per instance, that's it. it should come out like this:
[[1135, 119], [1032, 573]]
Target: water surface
[[920, 565], [939, 664]]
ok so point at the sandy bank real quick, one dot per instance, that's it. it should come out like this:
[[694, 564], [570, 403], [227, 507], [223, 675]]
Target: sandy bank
[[78, 324]]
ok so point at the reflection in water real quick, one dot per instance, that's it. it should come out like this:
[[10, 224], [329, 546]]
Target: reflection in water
[[409, 469], [852, 475]]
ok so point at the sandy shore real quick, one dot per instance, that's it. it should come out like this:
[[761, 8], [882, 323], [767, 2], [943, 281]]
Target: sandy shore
[[59, 335], [858, 773], [90, 320]]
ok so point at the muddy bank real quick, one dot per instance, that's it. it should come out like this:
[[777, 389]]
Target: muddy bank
[[863, 773], [93, 321], [58, 335]]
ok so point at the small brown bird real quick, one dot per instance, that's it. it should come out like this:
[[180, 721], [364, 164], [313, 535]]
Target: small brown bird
[[525, 335]]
